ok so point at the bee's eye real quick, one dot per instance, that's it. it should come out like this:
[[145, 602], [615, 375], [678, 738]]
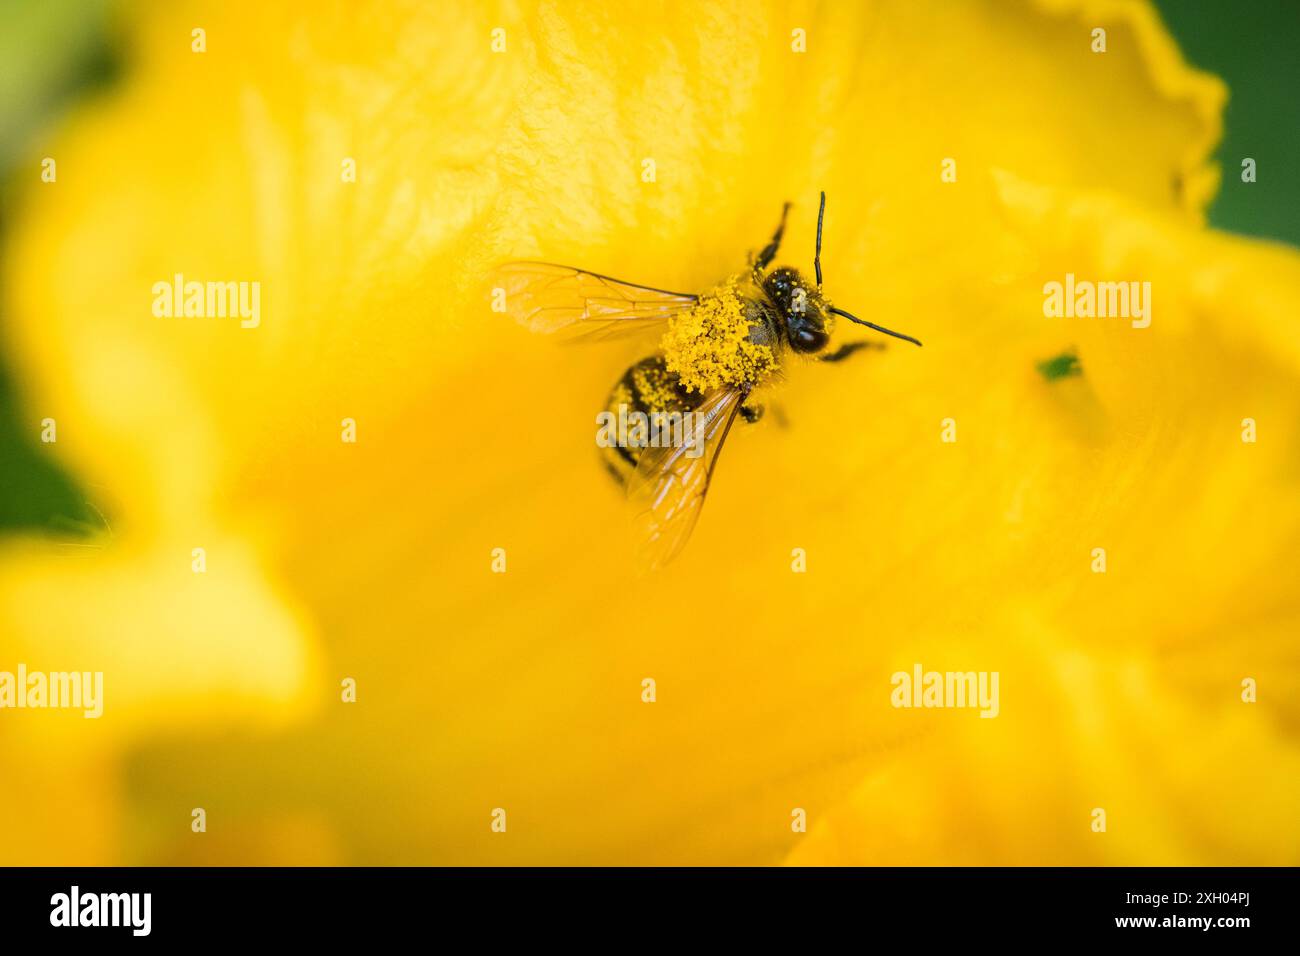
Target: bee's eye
[[808, 340]]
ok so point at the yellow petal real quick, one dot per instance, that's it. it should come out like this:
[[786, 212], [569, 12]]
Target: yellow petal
[[522, 690]]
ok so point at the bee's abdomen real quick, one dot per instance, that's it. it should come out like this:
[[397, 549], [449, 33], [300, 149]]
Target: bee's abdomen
[[646, 388]]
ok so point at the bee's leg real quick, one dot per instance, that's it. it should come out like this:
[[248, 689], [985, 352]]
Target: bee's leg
[[769, 251], [848, 348], [751, 413]]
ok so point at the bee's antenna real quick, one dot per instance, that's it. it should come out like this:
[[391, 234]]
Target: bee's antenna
[[872, 325], [817, 256], [817, 264]]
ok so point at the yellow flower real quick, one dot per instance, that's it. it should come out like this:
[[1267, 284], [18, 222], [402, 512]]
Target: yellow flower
[[373, 560]]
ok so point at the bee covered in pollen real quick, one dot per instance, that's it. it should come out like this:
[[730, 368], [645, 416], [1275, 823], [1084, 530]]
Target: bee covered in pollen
[[714, 350]]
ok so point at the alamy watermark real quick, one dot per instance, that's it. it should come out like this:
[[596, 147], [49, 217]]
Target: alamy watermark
[[208, 300], [133, 911], [1085, 299], [73, 690], [922, 688], [635, 429]]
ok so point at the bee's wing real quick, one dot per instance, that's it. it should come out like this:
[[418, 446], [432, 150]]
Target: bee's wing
[[550, 298], [667, 490]]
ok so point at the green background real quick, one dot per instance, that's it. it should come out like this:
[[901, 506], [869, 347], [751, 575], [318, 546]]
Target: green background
[[55, 51]]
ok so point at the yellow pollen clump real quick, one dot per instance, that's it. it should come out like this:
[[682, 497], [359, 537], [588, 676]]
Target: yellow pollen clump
[[709, 347], [654, 386]]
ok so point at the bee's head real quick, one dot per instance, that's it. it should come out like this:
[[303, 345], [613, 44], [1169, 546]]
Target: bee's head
[[806, 314], [803, 311]]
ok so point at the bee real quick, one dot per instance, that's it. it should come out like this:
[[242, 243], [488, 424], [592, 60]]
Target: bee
[[715, 349]]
